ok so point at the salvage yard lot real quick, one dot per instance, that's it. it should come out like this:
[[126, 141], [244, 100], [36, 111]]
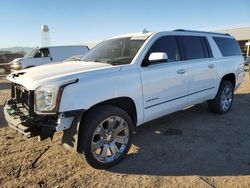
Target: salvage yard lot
[[190, 148]]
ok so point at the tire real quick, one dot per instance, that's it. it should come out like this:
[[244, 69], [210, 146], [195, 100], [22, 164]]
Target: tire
[[223, 101], [98, 142]]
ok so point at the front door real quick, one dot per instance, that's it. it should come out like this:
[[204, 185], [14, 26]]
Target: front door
[[165, 84]]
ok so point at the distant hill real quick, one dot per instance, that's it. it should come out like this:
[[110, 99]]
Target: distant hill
[[17, 49]]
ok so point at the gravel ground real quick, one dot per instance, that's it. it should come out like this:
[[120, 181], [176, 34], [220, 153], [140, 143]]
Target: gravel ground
[[190, 148]]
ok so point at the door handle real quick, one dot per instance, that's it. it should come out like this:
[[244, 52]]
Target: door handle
[[181, 71], [211, 66]]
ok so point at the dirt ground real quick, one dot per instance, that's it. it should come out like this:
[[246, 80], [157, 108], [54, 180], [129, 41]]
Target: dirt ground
[[208, 150]]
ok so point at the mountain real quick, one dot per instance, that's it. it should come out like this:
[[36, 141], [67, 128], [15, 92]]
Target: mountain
[[17, 49]]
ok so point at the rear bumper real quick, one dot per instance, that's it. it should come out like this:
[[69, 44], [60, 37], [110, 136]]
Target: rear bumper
[[240, 79]]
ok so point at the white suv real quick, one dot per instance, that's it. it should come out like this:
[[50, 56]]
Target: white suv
[[122, 83]]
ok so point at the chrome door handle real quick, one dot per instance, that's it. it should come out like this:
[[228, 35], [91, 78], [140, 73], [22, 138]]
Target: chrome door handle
[[211, 66], [181, 71]]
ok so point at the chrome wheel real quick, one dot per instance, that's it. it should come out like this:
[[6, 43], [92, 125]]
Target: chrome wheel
[[226, 98], [110, 139]]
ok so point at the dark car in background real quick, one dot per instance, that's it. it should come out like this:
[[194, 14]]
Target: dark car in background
[[5, 58]]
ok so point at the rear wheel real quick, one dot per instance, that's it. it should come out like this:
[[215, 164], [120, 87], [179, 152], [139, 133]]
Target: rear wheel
[[105, 136], [222, 103]]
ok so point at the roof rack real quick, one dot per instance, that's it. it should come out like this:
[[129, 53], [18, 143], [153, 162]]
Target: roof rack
[[206, 32]]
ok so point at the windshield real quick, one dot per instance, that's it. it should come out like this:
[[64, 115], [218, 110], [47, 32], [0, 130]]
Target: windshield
[[31, 53], [117, 51]]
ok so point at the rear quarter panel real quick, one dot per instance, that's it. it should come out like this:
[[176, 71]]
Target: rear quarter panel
[[227, 65]]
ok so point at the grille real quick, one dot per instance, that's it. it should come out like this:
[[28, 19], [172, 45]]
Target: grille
[[24, 97]]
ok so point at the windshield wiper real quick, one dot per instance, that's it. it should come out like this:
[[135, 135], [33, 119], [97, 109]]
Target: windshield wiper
[[101, 61], [77, 59]]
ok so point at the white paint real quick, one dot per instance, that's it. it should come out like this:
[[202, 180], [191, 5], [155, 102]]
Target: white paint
[[157, 56], [156, 90]]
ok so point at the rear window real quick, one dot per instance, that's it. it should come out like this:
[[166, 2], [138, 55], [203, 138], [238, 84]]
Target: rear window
[[193, 47], [227, 46]]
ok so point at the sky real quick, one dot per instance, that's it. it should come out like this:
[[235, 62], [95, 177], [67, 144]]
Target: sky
[[79, 21]]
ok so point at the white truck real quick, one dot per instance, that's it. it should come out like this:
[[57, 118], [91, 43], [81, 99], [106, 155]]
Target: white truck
[[45, 55], [122, 83]]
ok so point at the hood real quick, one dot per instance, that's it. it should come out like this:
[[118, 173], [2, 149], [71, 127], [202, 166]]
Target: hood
[[16, 60], [50, 73]]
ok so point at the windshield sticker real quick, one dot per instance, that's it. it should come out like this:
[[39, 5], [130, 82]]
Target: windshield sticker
[[139, 38]]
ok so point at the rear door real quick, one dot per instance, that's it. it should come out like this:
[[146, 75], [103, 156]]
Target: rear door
[[165, 84], [202, 67]]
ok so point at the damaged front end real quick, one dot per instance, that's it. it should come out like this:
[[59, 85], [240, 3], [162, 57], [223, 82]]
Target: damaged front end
[[20, 115]]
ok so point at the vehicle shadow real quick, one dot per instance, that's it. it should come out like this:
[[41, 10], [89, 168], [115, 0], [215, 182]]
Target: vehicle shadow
[[193, 142]]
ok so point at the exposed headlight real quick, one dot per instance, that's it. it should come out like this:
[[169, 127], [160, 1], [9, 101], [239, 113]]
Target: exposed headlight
[[45, 99]]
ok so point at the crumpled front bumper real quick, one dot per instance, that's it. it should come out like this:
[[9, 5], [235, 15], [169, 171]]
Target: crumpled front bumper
[[16, 121], [68, 122]]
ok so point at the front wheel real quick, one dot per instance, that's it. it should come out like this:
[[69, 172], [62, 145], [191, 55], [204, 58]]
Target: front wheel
[[105, 136], [223, 101]]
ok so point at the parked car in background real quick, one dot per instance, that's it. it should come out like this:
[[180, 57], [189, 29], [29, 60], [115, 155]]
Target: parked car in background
[[247, 64], [247, 61], [4, 68], [5, 58], [122, 83], [45, 55]]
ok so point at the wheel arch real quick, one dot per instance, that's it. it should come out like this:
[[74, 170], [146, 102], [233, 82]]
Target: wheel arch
[[125, 103], [72, 135], [229, 77]]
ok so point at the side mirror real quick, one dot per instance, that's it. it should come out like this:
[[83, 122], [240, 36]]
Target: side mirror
[[156, 57]]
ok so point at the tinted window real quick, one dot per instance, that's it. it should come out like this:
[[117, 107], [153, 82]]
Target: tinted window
[[193, 47], [45, 52], [42, 53], [227, 46], [166, 44]]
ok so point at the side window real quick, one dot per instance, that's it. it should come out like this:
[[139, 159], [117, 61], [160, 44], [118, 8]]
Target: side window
[[45, 52], [227, 46], [193, 47], [42, 53], [38, 54], [166, 44]]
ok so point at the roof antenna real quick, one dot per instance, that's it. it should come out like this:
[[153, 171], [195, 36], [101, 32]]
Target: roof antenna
[[145, 30]]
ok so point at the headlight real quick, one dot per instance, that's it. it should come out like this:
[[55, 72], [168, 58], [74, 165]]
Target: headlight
[[45, 99], [16, 66]]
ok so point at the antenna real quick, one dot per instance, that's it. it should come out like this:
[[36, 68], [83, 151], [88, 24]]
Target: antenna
[[145, 31], [45, 35]]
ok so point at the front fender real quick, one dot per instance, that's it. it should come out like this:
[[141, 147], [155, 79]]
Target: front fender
[[90, 91]]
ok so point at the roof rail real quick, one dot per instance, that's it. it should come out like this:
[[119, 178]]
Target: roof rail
[[206, 32]]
